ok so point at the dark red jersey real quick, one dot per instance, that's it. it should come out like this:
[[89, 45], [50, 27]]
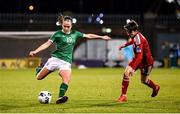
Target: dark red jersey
[[142, 53]]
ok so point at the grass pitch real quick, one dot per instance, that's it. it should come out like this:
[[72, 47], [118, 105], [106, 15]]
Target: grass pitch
[[91, 90]]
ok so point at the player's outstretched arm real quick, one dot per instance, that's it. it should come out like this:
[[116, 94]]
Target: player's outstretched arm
[[91, 36], [120, 47], [40, 48], [130, 42]]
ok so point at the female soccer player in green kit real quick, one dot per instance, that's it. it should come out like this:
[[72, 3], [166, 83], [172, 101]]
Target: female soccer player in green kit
[[61, 59]]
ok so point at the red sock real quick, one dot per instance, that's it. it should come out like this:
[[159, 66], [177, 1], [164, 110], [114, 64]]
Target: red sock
[[125, 84], [151, 84]]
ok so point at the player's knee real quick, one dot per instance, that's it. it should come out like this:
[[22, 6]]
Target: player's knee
[[125, 76], [66, 76], [66, 80]]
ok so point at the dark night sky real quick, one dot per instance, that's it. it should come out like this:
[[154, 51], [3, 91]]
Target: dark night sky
[[88, 6]]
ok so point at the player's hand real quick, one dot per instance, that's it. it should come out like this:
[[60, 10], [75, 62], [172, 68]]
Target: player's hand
[[120, 47], [32, 53], [129, 71], [106, 37]]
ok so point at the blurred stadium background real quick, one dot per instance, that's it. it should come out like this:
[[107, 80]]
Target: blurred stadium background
[[25, 24]]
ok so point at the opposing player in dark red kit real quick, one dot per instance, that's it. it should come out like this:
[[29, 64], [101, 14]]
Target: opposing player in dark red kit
[[142, 60]]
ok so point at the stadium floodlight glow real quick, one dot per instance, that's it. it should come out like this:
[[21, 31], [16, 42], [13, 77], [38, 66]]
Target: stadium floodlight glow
[[31, 21], [89, 19], [106, 30], [74, 20], [98, 19], [170, 1], [101, 22], [101, 15], [31, 7]]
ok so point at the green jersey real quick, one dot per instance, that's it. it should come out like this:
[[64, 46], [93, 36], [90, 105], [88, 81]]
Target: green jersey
[[65, 44]]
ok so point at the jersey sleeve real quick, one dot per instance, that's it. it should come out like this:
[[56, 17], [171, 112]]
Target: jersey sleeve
[[138, 50], [79, 35], [53, 37]]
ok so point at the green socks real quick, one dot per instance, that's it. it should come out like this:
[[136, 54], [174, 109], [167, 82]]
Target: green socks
[[38, 69], [62, 89]]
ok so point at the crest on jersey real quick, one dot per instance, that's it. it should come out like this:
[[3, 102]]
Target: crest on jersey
[[69, 40], [138, 49]]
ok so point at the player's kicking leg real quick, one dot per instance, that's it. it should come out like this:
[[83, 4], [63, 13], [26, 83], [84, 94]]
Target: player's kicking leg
[[38, 69], [145, 80], [42, 73]]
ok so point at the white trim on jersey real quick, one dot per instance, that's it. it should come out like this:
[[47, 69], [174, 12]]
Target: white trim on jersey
[[138, 49], [137, 39], [83, 35], [67, 32], [50, 40]]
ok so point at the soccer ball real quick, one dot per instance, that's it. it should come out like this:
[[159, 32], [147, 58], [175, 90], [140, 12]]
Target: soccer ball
[[44, 97]]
